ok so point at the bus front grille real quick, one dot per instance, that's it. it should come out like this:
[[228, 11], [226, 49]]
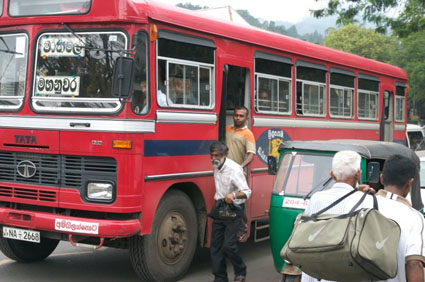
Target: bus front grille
[[29, 194], [65, 171]]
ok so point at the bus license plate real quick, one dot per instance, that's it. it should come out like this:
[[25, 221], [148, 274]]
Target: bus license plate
[[21, 234]]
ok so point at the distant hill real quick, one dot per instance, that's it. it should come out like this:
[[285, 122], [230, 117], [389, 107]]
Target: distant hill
[[310, 29], [311, 24]]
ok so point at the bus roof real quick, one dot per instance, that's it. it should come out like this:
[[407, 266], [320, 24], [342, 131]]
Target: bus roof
[[140, 11], [201, 22]]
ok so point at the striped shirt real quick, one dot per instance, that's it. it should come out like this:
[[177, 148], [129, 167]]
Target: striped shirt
[[228, 179]]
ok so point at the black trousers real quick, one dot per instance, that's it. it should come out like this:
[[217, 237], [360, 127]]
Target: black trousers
[[224, 245]]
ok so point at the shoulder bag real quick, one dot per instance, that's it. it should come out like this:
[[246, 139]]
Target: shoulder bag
[[357, 246]]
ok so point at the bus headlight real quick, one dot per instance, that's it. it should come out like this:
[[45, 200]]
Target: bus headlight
[[100, 191]]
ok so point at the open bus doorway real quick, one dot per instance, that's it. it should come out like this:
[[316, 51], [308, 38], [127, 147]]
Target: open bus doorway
[[238, 91], [387, 117]]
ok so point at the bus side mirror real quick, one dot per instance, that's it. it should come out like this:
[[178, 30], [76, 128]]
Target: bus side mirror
[[373, 170], [272, 165], [122, 84]]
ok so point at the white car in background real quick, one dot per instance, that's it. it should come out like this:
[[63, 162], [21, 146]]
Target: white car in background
[[421, 155], [415, 135]]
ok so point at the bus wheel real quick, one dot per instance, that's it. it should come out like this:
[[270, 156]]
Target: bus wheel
[[22, 251], [166, 253]]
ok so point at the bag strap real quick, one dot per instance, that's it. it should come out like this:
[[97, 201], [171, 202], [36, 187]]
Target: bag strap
[[375, 203], [333, 204]]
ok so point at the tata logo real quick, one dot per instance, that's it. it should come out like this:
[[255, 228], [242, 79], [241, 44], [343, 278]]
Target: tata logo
[[25, 139], [26, 169]]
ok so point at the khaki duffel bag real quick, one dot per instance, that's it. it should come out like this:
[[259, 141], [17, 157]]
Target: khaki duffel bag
[[361, 245]]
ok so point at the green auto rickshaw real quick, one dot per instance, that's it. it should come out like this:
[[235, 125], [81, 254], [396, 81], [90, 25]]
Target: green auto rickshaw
[[303, 169]]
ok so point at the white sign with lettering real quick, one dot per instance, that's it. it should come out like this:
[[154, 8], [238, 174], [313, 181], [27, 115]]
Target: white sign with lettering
[[61, 47], [58, 85], [294, 203]]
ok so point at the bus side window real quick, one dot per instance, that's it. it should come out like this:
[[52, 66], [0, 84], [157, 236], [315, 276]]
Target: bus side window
[[140, 101], [185, 71], [400, 102], [273, 83], [311, 89], [341, 96], [368, 91]]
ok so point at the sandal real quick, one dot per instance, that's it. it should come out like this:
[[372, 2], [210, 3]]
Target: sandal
[[240, 278], [243, 238]]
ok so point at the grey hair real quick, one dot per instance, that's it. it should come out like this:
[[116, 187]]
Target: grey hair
[[219, 147], [345, 164]]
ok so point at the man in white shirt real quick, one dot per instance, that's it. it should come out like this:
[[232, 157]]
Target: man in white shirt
[[230, 186], [397, 178]]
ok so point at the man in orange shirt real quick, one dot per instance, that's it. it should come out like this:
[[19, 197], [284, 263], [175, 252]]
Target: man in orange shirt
[[241, 143], [240, 139]]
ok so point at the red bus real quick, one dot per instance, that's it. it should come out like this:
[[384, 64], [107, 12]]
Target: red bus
[[108, 109]]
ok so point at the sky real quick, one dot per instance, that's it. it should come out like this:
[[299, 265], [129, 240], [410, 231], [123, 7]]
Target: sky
[[292, 11]]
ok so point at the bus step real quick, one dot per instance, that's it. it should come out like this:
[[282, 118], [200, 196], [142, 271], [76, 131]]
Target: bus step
[[261, 231], [82, 245]]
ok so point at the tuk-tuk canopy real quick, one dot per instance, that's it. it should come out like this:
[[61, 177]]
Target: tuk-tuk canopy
[[367, 149]]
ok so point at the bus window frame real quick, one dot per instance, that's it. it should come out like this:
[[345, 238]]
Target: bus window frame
[[47, 15], [27, 67], [257, 109], [324, 102], [397, 100], [199, 65], [70, 110], [369, 93], [344, 89], [147, 76]]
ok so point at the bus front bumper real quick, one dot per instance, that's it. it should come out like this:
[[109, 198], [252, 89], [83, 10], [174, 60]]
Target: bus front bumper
[[43, 221]]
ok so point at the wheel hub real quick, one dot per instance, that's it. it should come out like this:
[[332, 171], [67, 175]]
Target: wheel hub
[[172, 240]]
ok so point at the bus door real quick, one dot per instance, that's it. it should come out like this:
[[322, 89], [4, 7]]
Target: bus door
[[235, 93], [386, 126]]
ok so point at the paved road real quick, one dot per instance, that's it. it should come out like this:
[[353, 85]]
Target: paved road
[[69, 264]]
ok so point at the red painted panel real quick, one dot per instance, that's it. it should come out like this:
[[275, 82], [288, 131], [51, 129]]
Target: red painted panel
[[39, 141]]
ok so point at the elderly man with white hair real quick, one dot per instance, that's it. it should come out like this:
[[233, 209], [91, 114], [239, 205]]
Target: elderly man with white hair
[[346, 172]]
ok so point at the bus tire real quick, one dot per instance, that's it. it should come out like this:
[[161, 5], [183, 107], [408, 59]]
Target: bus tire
[[22, 251], [166, 253]]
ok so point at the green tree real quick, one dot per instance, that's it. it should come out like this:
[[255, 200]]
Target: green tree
[[411, 18], [411, 57], [361, 41]]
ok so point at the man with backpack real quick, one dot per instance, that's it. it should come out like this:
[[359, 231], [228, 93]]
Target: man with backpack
[[397, 177]]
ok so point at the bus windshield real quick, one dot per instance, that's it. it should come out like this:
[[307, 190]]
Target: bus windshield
[[21, 8], [73, 72], [13, 69]]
